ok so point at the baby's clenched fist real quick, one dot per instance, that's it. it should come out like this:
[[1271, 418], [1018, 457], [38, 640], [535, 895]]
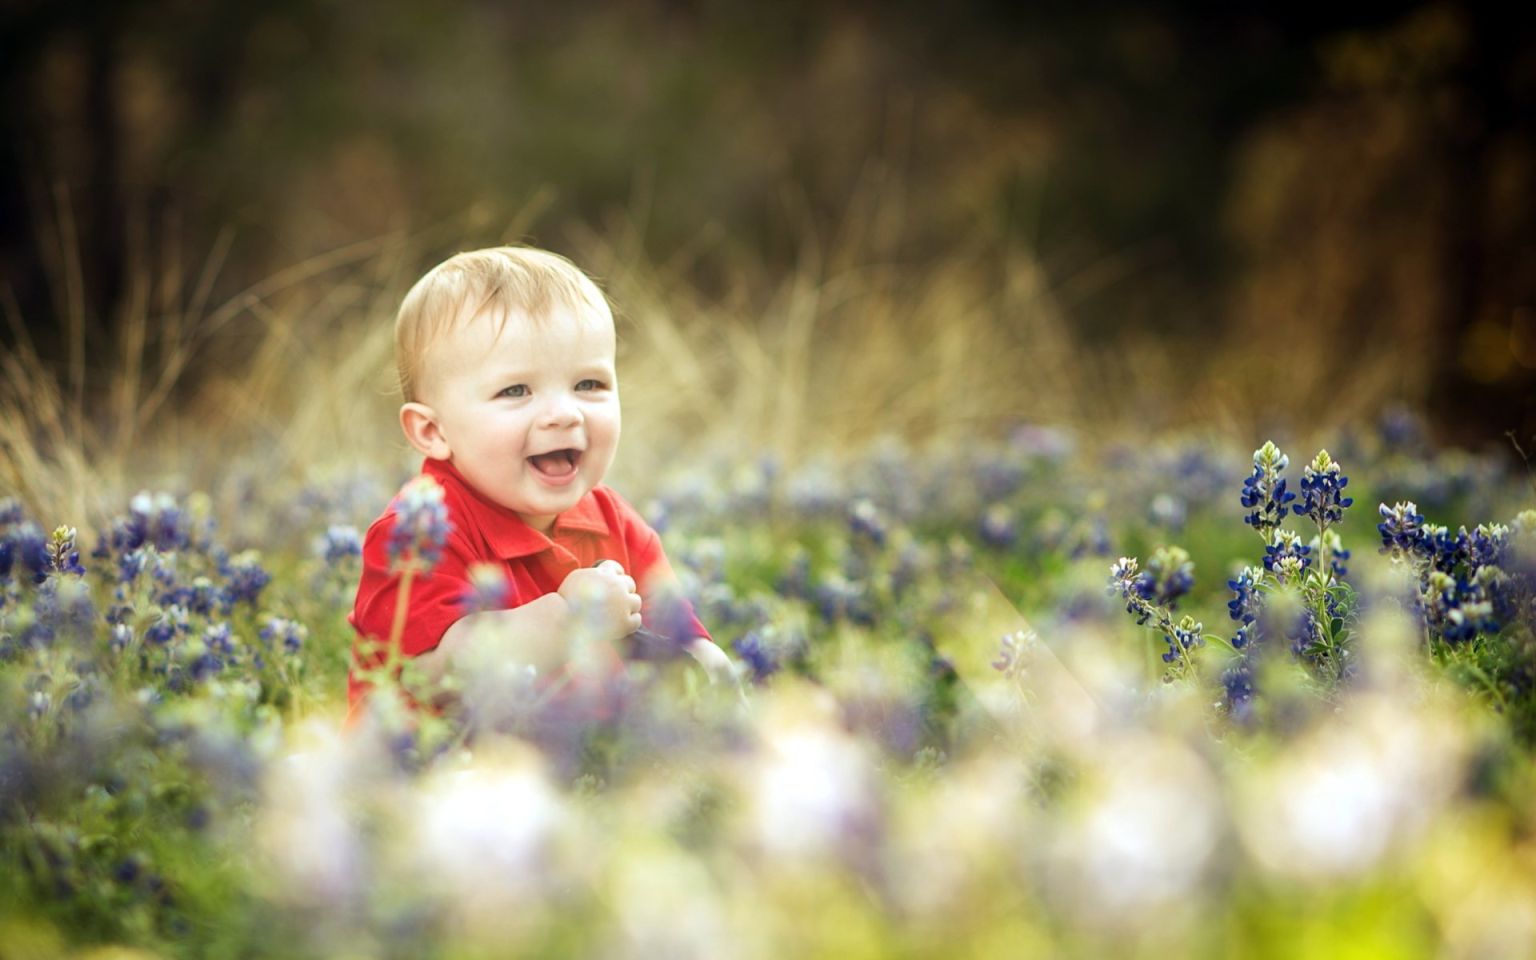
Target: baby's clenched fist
[[603, 601]]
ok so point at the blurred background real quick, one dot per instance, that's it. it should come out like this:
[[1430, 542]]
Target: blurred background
[[1149, 215]]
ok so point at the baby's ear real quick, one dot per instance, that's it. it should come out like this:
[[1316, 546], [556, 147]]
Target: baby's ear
[[419, 422]]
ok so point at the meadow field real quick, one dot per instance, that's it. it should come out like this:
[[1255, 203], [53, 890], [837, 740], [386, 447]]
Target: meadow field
[[1039, 655]]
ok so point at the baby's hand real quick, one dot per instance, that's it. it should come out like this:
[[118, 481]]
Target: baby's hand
[[603, 600]]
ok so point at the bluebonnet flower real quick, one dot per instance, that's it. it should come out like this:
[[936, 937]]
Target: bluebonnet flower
[[838, 599], [865, 521], [1187, 634], [205, 661], [153, 519], [289, 633], [421, 525], [1264, 492], [172, 621], [756, 651], [1134, 586], [1401, 529], [1171, 573], [1237, 684], [1486, 546], [202, 596], [122, 636], [1502, 593], [219, 638], [998, 528], [488, 588], [1244, 606], [1283, 545], [32, 551], [130, 564], [1457, 611], [1445, 550], [339, 543], [63, 555], [1014, 652], [165, 572], [245, 578], [1322, 487]]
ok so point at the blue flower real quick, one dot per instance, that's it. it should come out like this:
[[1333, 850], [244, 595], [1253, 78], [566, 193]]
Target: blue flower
[[289, 633], [32, 550], [1134, 586], [1264, 492], [245, 578], [1187, 634], [1172, 573], [130, 565], [488, 588], [1446, 550], [63, 555], [756, 651], [152, 519], [1486, 546], [421, 525], [171, 622], [1322, 486], [339, 543], [1014, 653], [1401, 529], [865, 521], [839, 599], [1237, 683], [1244, 606], [1284, 544], [1457, 610]]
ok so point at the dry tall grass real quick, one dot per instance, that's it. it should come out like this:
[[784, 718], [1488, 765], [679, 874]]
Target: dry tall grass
[[291, 379]]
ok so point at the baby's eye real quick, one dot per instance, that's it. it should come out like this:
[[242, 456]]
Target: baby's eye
[[590, 385], [516, 390]]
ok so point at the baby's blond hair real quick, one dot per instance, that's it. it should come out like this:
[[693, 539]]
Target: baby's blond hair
[[522, 280]]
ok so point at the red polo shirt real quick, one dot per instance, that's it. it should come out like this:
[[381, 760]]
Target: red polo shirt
[[602, 526]]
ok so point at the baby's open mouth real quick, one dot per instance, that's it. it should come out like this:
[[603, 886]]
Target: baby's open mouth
[[556, 463]]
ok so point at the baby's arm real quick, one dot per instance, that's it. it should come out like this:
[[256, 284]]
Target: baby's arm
[[599, 603], [714, 661]]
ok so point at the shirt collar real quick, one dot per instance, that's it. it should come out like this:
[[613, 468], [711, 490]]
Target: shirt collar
[[505, 532]]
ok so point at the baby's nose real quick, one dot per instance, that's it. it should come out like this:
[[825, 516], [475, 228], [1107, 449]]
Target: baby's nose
[[562, 410]]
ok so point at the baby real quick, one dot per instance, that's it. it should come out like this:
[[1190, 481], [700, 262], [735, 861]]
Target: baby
[[506, 364]]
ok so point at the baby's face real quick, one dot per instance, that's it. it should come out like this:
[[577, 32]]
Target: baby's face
[[529, 415]]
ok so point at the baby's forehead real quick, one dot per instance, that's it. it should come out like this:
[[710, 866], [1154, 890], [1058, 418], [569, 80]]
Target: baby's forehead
[[498, 320], [461, 340]]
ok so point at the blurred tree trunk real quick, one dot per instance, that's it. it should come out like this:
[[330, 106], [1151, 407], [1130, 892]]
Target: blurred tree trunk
[[1489, 264], [106, 228]]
